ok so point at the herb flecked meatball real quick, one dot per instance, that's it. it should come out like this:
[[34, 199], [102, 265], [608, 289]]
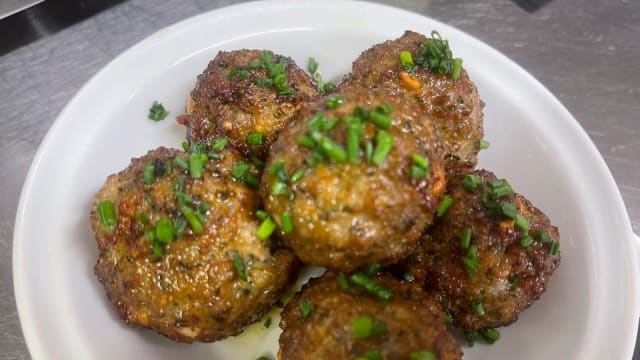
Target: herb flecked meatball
[[178, 247], [490, 255], [353, 181], [326, 321], [444, 92], [247, 96]]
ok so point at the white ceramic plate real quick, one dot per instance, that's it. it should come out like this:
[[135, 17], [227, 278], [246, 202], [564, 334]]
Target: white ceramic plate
[[590, 310]]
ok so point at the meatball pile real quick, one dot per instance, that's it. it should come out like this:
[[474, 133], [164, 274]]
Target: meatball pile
[[374, 182]]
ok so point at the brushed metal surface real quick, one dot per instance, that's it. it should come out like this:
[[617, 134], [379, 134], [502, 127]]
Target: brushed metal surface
[[586, 52]]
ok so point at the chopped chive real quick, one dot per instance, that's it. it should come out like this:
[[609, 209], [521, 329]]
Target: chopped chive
[[157, 249], [157, 112], [370, 355], [478, 309], [406, 60], [526, 241], [471, 337], [316, 123], [457, 68], [107, 215], [384, 144], [328, 87], [482, 144], [465, 239], [372, 269], [232, 73], [305, 308], [354, 131], [381, 120], [343, 282], [142, 218], [522, 222], [330, 124], [276, 168], [470, 182], [314, 159], [181, 163], [448, 319], [513, 279], [179, 224], [240, 170], [277, 69], [287, 223], [257, 162], [218, 144], [254, 64], [312, 65], [185, 145], [196, 165], [243, 75], [266, 228], [384, 109], [267, 323], [368, 151], [370, 285], [255, 138], [193, 220], [490, 335], [279, 80], [444, 205], [330, 148], [422, 355], [408, 277], [333, 101], [266, 58], [264, 82], [362, 326], [543, 237], [420, 161], [183, 198], [279, 188], [554, 248], [500, 187], [297, 175], [148, 172], [508, 210], [239, 267], [164, 230], [261, 214], [306, 141], [417, 172], [284, 90]]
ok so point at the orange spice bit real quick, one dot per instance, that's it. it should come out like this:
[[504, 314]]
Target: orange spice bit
[[506, 225], [190, 105], [410, 82], [438, 182]]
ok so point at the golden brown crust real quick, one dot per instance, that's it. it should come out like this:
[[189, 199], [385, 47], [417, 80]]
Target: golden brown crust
[[238, 107], [413, 319], [453, 106], [349, 215], [192, 292], [510, 277]]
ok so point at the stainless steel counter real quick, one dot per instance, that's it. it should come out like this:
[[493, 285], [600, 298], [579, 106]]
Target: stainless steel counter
[[587, 52]]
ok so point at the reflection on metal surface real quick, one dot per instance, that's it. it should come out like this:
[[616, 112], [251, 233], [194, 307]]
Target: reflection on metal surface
[[44, 19]]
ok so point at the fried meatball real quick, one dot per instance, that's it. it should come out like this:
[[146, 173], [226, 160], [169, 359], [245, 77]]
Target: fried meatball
[[407, 323], [512, 265], [182, 257], [346, 214], [453, 106], [238, 95]]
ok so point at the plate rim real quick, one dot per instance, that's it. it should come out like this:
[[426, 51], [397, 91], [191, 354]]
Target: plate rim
[[616, 200]]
